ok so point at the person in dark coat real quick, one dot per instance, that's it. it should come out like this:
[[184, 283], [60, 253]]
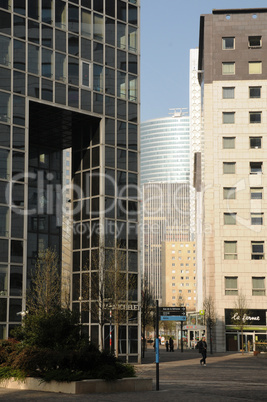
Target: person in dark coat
[[202, 347], [167, 346], [171, 344]]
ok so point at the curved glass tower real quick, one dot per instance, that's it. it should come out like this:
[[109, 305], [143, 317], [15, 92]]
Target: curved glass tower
[[165, 150]]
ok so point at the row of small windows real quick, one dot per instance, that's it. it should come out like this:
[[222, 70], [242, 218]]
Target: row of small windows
[[255, 167], [228, 43], [50, 13], [231, 285], [229, 117], [230, 142], [229, 193], [254, 67], [253, 92], [257, 250], [256, 218]]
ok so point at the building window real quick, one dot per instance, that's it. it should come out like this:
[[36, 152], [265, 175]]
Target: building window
[[229, 219], [228, 92], [254, 92], [173, 265], [228, 43], [255, 67], [255, 117], [230, 250], [85, 74], [256, 193], [255, 142], [229, 193], [255, 167], [254, 41], [173, 278], [258, 286], [231, 285], [228, 117], [256, 218], [173, 271], [229, 167], [173, 297], [228, 142], [173, 284], [228, 68], [257, 250]]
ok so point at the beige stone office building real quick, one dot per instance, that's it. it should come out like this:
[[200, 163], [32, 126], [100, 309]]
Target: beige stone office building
[[233, 75], [179, 274]]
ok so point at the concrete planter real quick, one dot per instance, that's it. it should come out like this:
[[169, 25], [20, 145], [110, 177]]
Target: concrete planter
[[81, 387]]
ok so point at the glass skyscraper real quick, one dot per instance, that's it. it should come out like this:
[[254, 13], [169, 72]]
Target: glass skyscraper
[[69, 79], [165, 177]]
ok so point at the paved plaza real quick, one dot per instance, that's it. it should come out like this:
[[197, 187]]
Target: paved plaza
[[227, 377]]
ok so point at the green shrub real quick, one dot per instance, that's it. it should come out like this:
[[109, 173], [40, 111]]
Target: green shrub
[[9, 372]]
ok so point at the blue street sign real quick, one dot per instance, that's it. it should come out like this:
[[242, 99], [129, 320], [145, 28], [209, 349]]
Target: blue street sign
[[172, 318]]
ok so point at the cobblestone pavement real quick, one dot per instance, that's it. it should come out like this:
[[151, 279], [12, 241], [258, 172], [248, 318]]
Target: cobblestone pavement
[[227, 377]]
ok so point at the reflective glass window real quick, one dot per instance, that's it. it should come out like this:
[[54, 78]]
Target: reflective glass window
[[33, 9], [19, 55], [47, 90], [60, 40], [47, 36], [85, 100], [110, 31], [5, 79], [33, 31], [73, 67], [3, 281], [4, 107], [73, 96], [132, 39], [73, 18], [19, 82], [15, 306], [60, 67], [98, 78], [73, 45], [47, 7], [16, 280], [121, 85], [47, 63], [86, 49], [18, 110], [5, 136], [132, 161], [60, 93], [86, 25], [33, 86], [5, 22], [5, 51], [19, 27], [60, 14], [110, 106], [132, 15], [110, 81], [4, 221], [18, 138], [121, 35], [98, 27], [33, 59]]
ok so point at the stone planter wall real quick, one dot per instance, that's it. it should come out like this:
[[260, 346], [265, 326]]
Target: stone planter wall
[[81, 387]]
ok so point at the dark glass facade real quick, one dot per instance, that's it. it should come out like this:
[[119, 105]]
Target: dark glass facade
[[69, 80]]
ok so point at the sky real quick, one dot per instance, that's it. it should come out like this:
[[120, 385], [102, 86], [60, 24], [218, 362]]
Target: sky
[[169, 29]]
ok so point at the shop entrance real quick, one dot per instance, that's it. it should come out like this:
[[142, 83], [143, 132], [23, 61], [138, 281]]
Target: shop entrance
[[248, 341]]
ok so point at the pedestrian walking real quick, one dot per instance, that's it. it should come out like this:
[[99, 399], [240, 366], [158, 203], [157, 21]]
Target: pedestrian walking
[[171, 344], [202, 347], [167, 346]]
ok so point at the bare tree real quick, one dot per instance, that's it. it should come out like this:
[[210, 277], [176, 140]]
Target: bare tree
[[108, 286], [45, 290], [210, 317], [147, 310], [240, 316]]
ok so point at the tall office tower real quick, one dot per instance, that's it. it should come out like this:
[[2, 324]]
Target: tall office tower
[[165, 173], [69, 79], [233, 75], [179, 274]]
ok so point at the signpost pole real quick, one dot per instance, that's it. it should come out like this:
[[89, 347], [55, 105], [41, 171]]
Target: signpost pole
[[157, 345]]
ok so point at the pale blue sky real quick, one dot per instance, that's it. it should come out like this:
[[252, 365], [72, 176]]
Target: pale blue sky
[[169, 29]]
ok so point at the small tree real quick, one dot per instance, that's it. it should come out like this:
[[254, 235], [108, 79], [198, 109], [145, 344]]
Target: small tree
[[240, 316], [147, 311], [210, 317]]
